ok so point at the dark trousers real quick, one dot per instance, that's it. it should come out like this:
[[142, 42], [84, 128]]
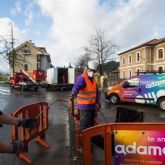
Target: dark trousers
[[87, 119]]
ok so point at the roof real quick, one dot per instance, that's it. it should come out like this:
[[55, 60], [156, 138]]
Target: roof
[[41, 49], [152, 42]]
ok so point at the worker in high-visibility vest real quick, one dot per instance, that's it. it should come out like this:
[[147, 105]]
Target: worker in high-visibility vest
[[16, 146], [87, 93]]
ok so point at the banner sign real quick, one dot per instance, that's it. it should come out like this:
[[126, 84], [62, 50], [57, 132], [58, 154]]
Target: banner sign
[[139, 147]]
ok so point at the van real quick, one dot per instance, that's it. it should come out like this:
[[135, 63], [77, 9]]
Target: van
[[144, 89]]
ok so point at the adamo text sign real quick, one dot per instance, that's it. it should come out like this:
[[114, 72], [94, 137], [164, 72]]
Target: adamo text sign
[[139, 147]]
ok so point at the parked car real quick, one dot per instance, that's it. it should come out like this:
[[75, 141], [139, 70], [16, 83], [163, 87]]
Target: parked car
[[144, 89]]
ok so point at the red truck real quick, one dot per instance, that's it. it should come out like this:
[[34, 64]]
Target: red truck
[[26, 80]]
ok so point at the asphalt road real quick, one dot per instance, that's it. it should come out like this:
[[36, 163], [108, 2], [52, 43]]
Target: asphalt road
[[58, 132], [57, 135]]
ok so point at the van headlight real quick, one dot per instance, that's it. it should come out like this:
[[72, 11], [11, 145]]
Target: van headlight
[[109, 88]]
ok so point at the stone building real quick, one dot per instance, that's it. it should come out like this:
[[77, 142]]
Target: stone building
[[149, 56]]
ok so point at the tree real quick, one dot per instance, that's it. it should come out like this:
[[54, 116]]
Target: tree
[[8, 53], [80, 62], [101, 48]]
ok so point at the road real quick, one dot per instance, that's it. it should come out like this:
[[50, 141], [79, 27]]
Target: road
[[58, 132]]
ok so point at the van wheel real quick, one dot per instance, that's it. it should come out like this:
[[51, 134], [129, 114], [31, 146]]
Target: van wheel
[[161, 103], [114, 99]]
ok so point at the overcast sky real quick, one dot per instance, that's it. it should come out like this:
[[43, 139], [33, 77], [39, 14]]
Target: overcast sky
[[64, 27]]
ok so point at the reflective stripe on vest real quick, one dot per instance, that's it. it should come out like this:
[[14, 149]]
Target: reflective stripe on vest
[[88, 94]]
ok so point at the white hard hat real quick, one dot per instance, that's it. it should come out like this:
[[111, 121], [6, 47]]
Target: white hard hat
[[92, 65]]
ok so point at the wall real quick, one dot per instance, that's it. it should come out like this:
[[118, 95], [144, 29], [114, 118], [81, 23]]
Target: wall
[[134, 65]]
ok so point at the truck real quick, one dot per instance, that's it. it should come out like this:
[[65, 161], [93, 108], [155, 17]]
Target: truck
[[38, 76], [23, 80], [144, 88], [60, 78]]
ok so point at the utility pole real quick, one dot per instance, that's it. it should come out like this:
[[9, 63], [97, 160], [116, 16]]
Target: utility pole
[[12, 46]]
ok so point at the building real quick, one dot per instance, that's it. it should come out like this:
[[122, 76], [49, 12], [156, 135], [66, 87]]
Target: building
[[31, 57], [149, 56]]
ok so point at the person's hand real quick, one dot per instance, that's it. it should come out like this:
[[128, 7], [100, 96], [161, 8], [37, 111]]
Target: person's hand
[[17, 147], [74, 96], [98, 107], [27, 123]]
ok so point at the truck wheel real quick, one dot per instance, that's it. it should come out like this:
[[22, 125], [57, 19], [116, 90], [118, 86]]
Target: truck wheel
[[114, 99], [12, 86], [161, 103]]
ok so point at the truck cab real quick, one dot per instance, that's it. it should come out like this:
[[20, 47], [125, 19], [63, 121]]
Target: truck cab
[[144, 89]]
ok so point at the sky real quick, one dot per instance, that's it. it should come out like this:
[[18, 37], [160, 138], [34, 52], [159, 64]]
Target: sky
[[64, 27]]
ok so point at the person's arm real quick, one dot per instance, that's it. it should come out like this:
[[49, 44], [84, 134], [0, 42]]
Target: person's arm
[[79, 85], [6, 119], [15, 147], [26, 123], [6, 148]]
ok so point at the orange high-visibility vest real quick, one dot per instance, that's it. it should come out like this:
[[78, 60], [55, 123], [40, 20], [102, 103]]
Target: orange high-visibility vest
[[88, 94]]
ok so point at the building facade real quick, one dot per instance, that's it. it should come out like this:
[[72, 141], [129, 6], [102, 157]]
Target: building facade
[[31, 58], [149, 56]]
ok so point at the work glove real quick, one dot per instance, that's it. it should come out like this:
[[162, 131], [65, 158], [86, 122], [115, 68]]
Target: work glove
[[17, 147], [74, 96], [27, 123]]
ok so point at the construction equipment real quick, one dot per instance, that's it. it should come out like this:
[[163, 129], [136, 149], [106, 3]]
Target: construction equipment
[[23, 80]]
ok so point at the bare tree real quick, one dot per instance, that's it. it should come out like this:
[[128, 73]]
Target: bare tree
[[8, 53], [80, 62], [101, 48]]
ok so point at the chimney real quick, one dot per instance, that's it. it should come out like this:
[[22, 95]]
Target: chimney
[[31, 42]]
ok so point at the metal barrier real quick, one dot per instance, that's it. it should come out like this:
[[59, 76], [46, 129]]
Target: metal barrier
[[39, 111], [106, 130]]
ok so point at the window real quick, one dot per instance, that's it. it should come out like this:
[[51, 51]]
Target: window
[[26, 67], [160, 69], [138, 56], [129, 59], [123, 61], [38, 66], [26, 51], [134, 82], [130, 73], [137, 71], [160, 53], [38, 58]]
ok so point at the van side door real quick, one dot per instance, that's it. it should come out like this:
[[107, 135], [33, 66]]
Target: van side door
[[131, 88]]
